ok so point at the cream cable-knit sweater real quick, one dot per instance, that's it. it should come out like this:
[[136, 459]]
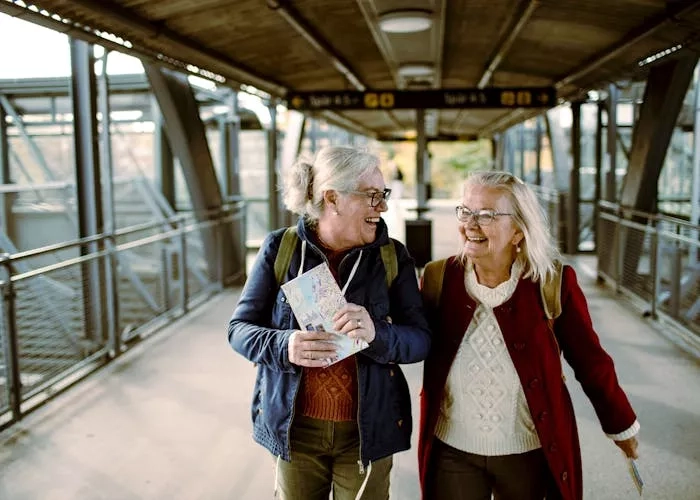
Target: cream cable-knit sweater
[[484, 410]]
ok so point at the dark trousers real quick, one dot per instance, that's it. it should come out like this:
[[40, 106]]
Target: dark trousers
[[457, 475]]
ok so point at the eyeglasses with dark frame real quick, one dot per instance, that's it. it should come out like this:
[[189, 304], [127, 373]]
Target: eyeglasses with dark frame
[[376, 197], [483, 217]]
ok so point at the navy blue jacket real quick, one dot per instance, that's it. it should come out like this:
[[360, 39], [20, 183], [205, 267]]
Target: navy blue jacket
[[263, 322]]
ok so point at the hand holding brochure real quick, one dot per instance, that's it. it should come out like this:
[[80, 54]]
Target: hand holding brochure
[[315, 297], [634, 473]]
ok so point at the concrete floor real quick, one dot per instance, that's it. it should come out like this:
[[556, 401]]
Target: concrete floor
[[171, 420]]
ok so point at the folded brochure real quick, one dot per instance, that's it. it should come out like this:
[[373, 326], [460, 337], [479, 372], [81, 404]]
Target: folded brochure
[[315, 297]]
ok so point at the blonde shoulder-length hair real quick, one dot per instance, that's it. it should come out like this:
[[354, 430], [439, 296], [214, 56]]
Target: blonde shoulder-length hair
[[538, 251]]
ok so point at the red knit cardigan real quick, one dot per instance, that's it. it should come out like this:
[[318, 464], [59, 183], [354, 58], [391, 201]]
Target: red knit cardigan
[[535, 355]]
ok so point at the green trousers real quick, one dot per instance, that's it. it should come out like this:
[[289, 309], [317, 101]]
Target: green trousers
[[325, 458]]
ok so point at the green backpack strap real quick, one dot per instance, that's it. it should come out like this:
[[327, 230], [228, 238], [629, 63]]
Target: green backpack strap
[[551, 300], [290, 238], [391, 264], [285, 252], [551, 293], [433, 275]]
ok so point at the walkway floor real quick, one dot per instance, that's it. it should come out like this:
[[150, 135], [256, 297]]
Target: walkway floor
[[170, 420]]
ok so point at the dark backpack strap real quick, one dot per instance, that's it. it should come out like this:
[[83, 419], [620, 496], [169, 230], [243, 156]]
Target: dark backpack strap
[[391, 264], [285, 252]]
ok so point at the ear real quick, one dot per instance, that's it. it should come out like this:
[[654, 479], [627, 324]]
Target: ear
[[517, 238], [330, 199]]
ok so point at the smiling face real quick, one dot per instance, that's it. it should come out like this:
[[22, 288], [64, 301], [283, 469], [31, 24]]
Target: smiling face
[[491, 246], [356, 221]]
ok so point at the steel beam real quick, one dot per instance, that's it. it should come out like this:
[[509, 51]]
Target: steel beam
[[518, 19], [663, 99], [181, 49], [163, 157], [230, 148], [598, 193], [188, 141], [88, 184], [33, 148]]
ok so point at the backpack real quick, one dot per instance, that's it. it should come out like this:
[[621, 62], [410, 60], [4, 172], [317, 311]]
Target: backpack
[[550, 292], [289, 244]]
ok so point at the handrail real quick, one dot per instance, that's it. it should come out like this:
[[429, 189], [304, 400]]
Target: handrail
[[222, 212], [631, 212]]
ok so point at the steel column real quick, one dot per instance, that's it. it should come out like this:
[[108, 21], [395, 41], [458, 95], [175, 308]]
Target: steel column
[[110, 263], [291, 146], [188, 141], [611, 175], [538, 150], [6, 199], [421, 146], [560, 159], [273, 204], [521, 148], [230, 149], [598, 190], [695, 189], [573, 219], [88, 185]]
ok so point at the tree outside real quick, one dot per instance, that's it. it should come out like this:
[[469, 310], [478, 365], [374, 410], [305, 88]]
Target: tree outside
[[450, 162]]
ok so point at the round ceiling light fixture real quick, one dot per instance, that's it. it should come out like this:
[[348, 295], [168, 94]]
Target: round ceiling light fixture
[[416, 70], [405, 21]]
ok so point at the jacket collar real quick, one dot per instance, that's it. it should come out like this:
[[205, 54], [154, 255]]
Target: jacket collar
[[306, 232]]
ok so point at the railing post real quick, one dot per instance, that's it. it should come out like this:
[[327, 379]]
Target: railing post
[[655, 239], [620, 256], [676, 275], [165, 270], [182, 265], [112, 295], [11, 347], [219, 228]]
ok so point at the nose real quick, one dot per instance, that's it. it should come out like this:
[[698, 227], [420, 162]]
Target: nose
[[383, 206]]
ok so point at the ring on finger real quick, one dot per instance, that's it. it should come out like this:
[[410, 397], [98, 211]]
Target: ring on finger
[[359, 323]]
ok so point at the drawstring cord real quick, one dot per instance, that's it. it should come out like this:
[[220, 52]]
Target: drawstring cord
[[277, 475], [364, 483]]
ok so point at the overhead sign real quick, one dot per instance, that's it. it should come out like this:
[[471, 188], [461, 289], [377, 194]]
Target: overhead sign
[[492, 97]]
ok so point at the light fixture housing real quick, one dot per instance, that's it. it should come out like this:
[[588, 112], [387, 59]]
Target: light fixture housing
[[405, 21], [416, 70]]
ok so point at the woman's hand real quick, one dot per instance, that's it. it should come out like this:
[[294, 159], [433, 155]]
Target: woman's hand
[[311, 349], [355, 322], [629, 447]]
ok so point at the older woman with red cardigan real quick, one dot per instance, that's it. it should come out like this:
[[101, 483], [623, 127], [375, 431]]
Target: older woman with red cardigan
[[496, 416]]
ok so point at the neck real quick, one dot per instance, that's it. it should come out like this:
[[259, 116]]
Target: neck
[[330, 238], [491, 276]]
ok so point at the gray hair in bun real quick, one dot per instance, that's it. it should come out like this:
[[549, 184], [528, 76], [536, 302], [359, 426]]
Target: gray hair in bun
[[336, 168]]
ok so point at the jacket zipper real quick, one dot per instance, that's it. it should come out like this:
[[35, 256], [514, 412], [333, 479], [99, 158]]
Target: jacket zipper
[[359, 427]]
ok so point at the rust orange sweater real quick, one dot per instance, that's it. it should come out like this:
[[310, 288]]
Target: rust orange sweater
[[330, 393]]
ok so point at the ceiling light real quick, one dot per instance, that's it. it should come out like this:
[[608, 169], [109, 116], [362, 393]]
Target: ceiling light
[[415, 70], [405, 21]]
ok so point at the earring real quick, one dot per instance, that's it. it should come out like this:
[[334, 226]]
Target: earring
[[517, 249]]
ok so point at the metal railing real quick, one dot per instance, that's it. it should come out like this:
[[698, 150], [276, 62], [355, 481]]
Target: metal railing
[[654, 259], [53, 336]]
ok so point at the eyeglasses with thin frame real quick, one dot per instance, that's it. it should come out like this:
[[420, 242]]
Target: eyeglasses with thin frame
[[376, 197], [483, 217]]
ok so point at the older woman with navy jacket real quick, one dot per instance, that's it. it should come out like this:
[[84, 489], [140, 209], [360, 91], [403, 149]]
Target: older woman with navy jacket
[[496, 416], [333, 428]]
